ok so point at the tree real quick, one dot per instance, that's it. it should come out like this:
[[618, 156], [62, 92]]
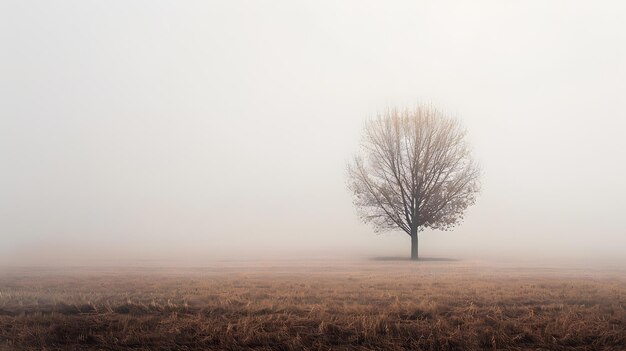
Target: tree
[[414, 171]]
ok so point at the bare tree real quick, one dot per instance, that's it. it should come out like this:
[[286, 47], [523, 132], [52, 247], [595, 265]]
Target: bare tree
[[414, 171]]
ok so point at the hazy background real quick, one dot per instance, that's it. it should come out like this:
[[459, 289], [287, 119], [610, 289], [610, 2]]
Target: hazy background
[[201, 130]]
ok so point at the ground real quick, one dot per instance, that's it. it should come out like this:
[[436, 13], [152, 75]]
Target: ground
[[316, 305]]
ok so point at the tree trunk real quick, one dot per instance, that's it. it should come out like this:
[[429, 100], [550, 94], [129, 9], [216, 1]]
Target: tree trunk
[[414, 244]]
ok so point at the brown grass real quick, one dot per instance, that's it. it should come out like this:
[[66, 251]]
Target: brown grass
[[357, 306]]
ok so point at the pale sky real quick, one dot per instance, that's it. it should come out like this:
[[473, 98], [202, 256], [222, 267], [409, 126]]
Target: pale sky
[[202, 130]]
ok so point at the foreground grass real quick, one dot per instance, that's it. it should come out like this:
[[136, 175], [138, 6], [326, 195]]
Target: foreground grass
[[375, 305]]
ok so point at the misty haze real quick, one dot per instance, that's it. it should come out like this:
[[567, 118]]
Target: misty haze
[[291, 175]]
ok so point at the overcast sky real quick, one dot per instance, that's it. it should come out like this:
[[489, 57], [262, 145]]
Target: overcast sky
[[200, 130]]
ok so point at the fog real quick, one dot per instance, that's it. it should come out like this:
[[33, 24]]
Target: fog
[[186, 132]]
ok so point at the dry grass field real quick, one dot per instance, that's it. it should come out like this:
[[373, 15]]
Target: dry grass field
[[428, 305]]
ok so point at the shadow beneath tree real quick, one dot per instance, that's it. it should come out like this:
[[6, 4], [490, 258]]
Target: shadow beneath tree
[[421, 259]]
